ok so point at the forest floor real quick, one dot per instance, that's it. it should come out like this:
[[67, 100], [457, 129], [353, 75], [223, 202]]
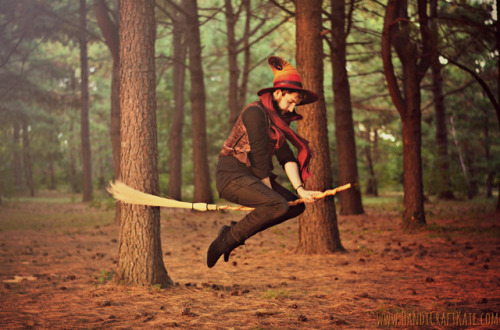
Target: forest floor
[[58, 259]]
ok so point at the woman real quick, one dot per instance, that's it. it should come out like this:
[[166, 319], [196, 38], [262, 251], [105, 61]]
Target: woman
[[245, 162]]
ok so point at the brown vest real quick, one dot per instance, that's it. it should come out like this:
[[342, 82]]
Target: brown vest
[[237, 143]]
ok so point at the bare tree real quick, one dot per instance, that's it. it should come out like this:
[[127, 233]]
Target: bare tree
[[443, 161], [140, 258], [28, 171], [84, 115], [415, 60], [18, 175], [202, 190], [107, 20], [318, 229], [350, 201], [179, 59], [497, 26]]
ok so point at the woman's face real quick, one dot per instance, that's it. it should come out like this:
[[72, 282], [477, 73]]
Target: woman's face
[[287, 101]]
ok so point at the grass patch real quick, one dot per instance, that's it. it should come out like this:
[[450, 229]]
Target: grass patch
[[62, 199], [51, 213], [383, 199], [275, 294], [389, 202], [436, 230]]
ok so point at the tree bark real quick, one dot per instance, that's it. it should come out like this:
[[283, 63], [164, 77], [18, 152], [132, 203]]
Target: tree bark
[[238, 77], [75, 185], [179, 55], [18, 170], [85, 126], [52, 174], [202, 190], [460, 157], [318, 230], [140, 258], [28, 171], [371, 186], [497, 25], [414, 65], [232, 50], [350, 200], [246, 56], [443, 161], [109, 29]]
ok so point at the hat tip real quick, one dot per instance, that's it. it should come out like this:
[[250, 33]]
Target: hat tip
[[276, 62]]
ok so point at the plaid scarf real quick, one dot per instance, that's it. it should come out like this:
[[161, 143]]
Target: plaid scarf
[[283, 123]]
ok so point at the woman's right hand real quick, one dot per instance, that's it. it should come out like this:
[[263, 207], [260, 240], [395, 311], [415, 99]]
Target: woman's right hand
[[307, 195]]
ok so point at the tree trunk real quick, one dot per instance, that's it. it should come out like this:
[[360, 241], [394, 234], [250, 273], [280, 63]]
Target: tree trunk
[[497, 25], [350, 200], [85, 126], [246, 56], [18, 170], [371, 187], [488, 157], [52, 174], [140, 258], [498, 201], [28, 172], [232, 50], [473, 184], [443, 161], [318, 230], [413, 200], [202, 190], [109, 30], [75, 185], [238, 91], [179, 54], [414, 66], [460, 157]]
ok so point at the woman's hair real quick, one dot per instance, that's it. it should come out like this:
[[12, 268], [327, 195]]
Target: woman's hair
[[289, 90]]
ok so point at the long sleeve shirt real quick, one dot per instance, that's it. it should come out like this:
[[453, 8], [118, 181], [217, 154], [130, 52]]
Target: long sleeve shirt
[[256, 125]]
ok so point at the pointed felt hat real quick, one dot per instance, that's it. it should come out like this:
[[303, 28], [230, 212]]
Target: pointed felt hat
[[287, 77]]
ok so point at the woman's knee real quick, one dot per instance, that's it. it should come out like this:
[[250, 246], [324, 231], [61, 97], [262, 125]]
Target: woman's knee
[[280, 208]]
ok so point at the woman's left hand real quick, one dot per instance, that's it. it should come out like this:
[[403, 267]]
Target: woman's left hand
[[307, 195]]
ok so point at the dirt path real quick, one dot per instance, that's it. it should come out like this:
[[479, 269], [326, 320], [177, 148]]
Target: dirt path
[[448, 274]]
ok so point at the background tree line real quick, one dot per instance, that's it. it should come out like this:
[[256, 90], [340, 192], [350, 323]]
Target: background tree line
[[423, 72]]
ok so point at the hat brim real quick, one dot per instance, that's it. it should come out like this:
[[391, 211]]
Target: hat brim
[[309, 96]]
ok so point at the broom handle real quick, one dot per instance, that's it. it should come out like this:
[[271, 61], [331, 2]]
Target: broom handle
[[330, 192], [126, 194]]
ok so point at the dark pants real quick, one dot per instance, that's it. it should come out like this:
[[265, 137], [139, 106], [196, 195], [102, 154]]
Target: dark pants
[[271, 205]]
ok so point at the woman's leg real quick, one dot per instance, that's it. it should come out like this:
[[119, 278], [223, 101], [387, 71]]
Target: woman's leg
[[271, 206], [293, 211]]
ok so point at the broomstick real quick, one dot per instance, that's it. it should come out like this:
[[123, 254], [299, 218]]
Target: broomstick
[[120, 191]]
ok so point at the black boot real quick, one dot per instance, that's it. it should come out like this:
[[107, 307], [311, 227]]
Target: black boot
[[226, 254], [224, 243]]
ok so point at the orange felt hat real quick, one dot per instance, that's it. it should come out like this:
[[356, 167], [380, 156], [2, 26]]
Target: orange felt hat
[[287, 77]]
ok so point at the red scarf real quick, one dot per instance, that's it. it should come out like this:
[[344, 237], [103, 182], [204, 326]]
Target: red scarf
[[304, 152]]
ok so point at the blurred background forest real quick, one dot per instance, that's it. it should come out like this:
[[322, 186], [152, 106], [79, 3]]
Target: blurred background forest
[[41, 91]]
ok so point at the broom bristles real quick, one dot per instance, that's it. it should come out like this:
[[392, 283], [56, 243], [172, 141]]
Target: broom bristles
[[126, 194]]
